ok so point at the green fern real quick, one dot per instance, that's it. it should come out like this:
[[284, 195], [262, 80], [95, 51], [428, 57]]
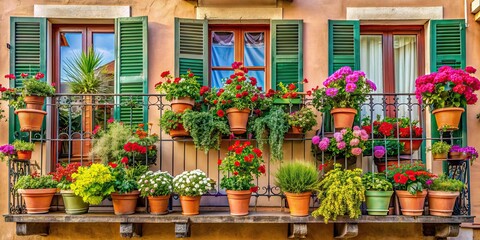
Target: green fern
[[272, 127], [206, 129]]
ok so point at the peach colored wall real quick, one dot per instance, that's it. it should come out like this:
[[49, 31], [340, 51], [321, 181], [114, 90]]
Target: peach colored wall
[[161, 13]]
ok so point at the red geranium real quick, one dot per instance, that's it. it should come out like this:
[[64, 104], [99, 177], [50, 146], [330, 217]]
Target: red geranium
[[220, 113]]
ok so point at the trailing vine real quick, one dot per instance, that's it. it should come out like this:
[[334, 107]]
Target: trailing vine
[[341, 192], [206, 129], [272, 126]]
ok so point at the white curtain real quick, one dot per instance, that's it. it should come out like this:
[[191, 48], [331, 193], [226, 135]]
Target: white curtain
[[406, 69], [371, 62]]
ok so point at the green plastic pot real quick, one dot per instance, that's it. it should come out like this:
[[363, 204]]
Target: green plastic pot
[[74, 204], [378, 202]]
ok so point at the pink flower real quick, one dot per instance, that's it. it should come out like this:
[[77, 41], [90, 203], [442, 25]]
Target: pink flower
[[341, 145], [350, 87], [338, 136], [343, 131], [379, 151], [357, 133], [354, 142], [371, 84], [356, 128], [331, 92], [323, 145], [356, 151], [315, 140], [364, 137], [470, 69], [353, 78]]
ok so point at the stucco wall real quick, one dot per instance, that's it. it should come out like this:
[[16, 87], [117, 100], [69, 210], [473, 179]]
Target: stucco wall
[[315, 14]]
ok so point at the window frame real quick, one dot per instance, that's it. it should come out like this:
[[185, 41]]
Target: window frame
[[239, 55], [387, 33]]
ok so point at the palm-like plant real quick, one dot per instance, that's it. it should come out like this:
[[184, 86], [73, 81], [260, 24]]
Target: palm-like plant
[[84, 73]]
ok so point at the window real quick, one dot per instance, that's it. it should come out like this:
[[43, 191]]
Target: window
[[247, 44], [392, 57]]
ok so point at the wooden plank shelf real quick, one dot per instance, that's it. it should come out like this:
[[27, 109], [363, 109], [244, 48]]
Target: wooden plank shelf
[[131, 225]]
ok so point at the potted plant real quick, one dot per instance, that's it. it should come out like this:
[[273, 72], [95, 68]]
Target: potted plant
[[206, 128], [7, 151], [140, 148], [31, 96], [440, 150], [469, 153], [409, 129], [74, 204], [126, 186], [157, 187], [340, 192], [301, 121], [288, 94], [239, 96], [378, 192], [410, 182], [190, 186], [297, 180], [37, 191], [385, 152], [181, 92], [442, 195], [448, 91], [171, 123], [93, 183], [342, 95], [108, 144], [24, 149], [271, 128], [242, 163]]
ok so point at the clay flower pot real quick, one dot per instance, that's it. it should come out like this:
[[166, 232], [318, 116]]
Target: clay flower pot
[[24, 155], [411, 205], [125, 203], [455, 155], [411, 147], [343, 117], [34, 102], [179, 105], [37, 200], [237, 119], [239, 202], [74, 204], [30, 119], [440, 156], [158, 204], [441, 203], [378, 202], [294, 132], [179, 131], [448, 118], [190, 205], [382, 166], [298, 203]]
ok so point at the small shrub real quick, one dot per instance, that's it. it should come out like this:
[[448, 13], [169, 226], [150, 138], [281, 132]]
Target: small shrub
[[297, 177]]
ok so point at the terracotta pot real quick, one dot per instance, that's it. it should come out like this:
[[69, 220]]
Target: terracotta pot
[[179, 105], [440, 156], [298, 203], [179, 131], [294, 132], [190, 205], [125, 203], [237, 119], [37, 200], [441, 203], [73, 204], [24, 155], [411, 205], [239, 202], [381, 166], [465, 156], [455, 155], [30, 119], [343, 117], [158, 204], [34, 102], [412, 146], [448, 118]]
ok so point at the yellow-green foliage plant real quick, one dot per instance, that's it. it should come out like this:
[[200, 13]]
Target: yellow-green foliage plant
[[341, 192], [93, 183]]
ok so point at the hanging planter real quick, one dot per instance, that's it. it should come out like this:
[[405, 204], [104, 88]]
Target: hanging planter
[[31, 120], [24, 155], [125, 203], [181, 91], [411, 146], [179, 131], [179, 105], [448, 118], [34, 102], [343, 117], [239, 201], [172, 124], [237, 119]]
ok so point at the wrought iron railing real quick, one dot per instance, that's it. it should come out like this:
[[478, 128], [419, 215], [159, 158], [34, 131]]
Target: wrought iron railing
[[67, 137]]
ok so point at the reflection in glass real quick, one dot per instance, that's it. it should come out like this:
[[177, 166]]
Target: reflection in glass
[[103, 43], [71, 45]]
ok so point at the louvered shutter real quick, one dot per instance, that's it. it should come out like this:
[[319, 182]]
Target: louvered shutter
[[28, 54], [287, 52], [131, 69], [447, 43], [343, 44], [191, 48]]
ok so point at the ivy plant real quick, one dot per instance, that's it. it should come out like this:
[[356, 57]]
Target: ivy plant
[[206, 128], [272, 127]]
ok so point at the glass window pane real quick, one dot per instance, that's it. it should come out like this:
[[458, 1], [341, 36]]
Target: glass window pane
[[223, 49], [406, 71], [71, 46], [254, 49], [260, 76], [219, 77], [103, 44], [371, 62]]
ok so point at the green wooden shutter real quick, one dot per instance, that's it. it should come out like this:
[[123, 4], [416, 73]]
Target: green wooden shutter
[[448, 47], [343, 44], [191, 48], [287, 52], [131, 69], [28, 54]]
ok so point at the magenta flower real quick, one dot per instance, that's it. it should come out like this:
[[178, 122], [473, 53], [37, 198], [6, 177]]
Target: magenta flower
[[353, 78], [371, 84], [379, 151], [470, 69], [341, 145], [315, 140], [356, 151], [350, 87], [323, 145], [429, 182], [331, 92], [111, 120]]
